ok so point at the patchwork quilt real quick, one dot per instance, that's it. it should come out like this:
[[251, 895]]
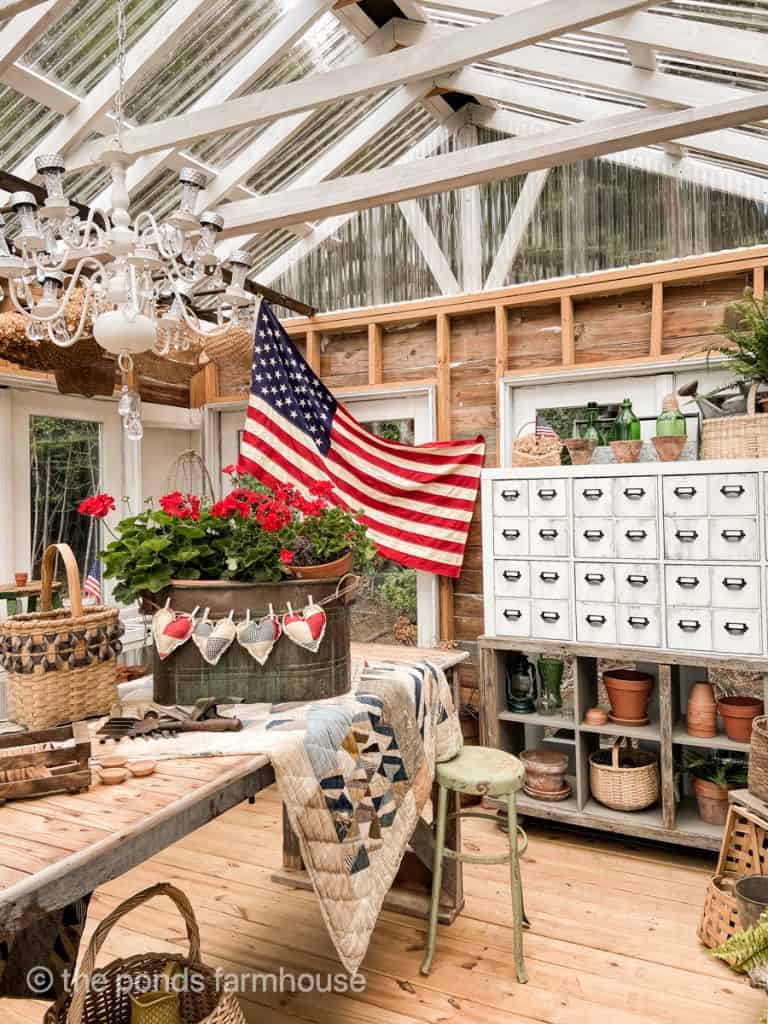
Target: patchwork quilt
[[354, 773]]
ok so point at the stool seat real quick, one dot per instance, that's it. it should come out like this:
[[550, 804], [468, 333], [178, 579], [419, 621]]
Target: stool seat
[[482, 771]]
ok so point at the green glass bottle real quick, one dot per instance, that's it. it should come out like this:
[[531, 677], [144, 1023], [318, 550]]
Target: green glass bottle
[[592, 431], [671, 422], [627, 424]]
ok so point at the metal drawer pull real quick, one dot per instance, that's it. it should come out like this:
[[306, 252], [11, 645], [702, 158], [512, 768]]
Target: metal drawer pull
[[638, 621], [549, 577], [510, 534], [634, 493], [547, 493], [688, 582], [596, 620], [684, 492], [593, 534], [732, 490], [510, 495], [733, 535], [548, 534], [734, 582], [636, 534], [636, 580], [550, 616], [592, 493], [736, 628], [512, 575], [689, 625], [686, 535], [594, 578], [512, 613]]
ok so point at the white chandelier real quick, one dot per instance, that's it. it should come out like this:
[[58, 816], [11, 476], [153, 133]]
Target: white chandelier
[[138, 279]]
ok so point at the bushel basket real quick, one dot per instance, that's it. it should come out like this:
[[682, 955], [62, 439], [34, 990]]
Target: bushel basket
[[626, 780], [736, 437], [61, 663], [103, 995]]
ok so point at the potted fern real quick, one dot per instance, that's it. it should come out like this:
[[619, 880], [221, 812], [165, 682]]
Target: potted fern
[[712, 776]]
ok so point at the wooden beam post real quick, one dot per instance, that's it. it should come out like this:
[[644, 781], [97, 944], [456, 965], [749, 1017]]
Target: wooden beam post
[[204, 386], [375, 352], [502, 358], [567, 328], [447, 631], [758, 283], [313, 350], [657, 319]]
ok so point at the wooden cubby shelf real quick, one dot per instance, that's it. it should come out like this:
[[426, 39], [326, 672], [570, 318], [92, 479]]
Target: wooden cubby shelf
[[668, 820]]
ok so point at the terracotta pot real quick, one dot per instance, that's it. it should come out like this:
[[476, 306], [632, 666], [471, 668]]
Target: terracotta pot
[[595, 716], [738, 713], [712, 801], [21, 578], [629, 693], [580, 449], [327, 571], [669, 449], [544, 770], [627, 451], [701, 711]]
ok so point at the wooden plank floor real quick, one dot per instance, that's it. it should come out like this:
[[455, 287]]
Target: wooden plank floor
[[613, 938]]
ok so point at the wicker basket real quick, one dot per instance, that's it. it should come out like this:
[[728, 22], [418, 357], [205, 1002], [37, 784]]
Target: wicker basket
[[61, 664], [109, 1002], [736, 437], [744, 851], [757, 781], [536, 449], [626, 780]]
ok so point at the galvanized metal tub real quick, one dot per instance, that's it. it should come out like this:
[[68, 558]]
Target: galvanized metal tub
[[291, 673]]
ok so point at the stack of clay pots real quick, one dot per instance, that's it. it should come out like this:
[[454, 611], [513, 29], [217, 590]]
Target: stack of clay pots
[[701, 711]]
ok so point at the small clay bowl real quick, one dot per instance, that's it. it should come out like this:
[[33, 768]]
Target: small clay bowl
[[595, 716], [626, 451], [112, 762], [140, 769], [669, 449], [113, 776]]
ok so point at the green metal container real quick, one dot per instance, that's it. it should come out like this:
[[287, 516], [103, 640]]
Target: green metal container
[[291, 673]]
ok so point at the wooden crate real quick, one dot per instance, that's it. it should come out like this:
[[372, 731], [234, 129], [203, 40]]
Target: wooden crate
[[67, 766]]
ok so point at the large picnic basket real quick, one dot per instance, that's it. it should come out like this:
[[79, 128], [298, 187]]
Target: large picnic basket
[[103, 995], [61, 663]]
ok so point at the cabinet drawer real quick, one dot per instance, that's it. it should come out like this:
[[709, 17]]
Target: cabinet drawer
[[549, 498], [637, 538], [511, 579], [736, 632], [689, 629], [593, 538], [596, 623], [733, 539], [549, 620], [637, 584], [510, 497], [551, 580], [593, 497], [513, 617], [686, 539], [549, 537], [735, 586], [688, 586], [595, 581], [733, 494], [634, 496], [510, 536], [685, 496], [639, 626]]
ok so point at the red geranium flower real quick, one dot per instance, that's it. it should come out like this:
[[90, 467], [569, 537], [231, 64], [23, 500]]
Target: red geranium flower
[[286, 556], [321, 489], [98, 506], [181, 506], [230, 469], [273, 515]]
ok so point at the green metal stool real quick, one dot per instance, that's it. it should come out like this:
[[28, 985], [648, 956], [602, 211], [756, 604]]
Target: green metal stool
[[480, 771]]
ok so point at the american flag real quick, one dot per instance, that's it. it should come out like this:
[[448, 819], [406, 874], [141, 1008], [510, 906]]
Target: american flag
[[416, 501], [92, 582], [543, 428]]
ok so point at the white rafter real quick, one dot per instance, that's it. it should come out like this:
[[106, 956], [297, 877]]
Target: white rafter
[[415, 63], [429, 246], [20, 33], [513, 237], [10, 8]]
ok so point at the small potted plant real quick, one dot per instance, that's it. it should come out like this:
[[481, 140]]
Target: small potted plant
[[712, 775]]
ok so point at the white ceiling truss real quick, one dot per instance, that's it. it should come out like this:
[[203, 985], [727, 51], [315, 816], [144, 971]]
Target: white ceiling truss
[[586, 79]]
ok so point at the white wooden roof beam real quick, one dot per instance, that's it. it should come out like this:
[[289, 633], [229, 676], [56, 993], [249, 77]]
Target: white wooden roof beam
[[484, 163], [413, 64], [10, 8], [40, 88], [515, 231], [21, 32]]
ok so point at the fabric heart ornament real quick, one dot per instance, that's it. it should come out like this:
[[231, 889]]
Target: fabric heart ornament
[[171, 629], [259, 636], [307, 627], [214, 639]]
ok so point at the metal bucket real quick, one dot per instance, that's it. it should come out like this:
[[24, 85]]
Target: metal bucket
[[752, 897], [291, 673]]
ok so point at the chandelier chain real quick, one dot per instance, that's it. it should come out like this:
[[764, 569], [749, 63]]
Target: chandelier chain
[[121, 52]]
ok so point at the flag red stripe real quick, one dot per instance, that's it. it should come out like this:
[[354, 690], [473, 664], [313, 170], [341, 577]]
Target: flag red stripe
[[415, 562], [428, 453]]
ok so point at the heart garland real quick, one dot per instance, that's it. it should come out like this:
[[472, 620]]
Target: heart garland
[[171, 629], [259, 636], [306, 627], [213, 640]]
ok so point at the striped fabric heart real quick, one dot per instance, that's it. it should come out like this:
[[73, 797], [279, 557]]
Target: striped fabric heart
[[307, 627], [171, 629], [259, 636], [214, 639]]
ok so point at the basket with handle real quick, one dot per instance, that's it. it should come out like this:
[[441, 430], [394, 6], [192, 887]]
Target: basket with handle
[[736, 437], [61, 663], [624, 779], [757, 779], [201, 997], [536, 449]]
